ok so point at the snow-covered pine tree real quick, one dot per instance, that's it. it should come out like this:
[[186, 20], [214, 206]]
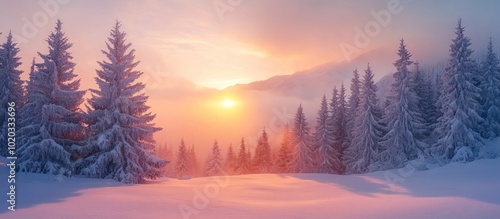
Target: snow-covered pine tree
[[340, 135], [304, 154], [11, 86], [262, 161], [194, 165], [230, 161], [285, 153], [243, 161], [332, 125], [491, 93], [367, 130], [426, 102], [403, 142], [460, 124], [328, 160], [182, 165], [53, 91], [121, 141], [29, 122], [213, 165], [354, 101], [350, 152]]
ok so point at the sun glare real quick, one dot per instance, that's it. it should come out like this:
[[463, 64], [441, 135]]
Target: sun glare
[[228, 103]]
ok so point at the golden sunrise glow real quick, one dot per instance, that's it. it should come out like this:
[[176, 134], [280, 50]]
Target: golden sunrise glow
[[228, 103]]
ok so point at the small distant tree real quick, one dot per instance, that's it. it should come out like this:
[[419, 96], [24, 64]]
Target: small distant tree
[[182, 165], [214, 165], [262, 161], [285, 154], [230, 161], [243, 161], [194, 165]]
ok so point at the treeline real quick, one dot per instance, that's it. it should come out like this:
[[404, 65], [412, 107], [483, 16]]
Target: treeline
[[236, 161], [438, 116], [111, 139]]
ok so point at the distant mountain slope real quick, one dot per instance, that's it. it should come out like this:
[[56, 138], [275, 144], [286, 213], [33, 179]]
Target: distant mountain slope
[[313, 83]]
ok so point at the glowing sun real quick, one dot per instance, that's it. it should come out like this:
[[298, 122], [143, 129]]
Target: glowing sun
[[228, 103]]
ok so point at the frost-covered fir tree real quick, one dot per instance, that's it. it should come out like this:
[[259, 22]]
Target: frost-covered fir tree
[[194, 165], [402, 143], [36, 96], [350, 152], [340, 131], [243, 161], [230, 161], [46, 137], [490, 91], [353, 99], [285, 153], [121, 143], [304, 154], [214, 165], [461, 123], [262, 161], [426, 102], [328, 160], [182, 165], [367, 129], [11, 86]]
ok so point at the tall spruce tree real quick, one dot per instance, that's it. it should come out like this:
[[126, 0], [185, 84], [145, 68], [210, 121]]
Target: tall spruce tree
[[350, 153], [367, 130], [11, 87], [53, 91], [304, 153], [405, 124], [460, 124], [340, 130], [490, 91], [121, 140], [328, 160], [426, 102]]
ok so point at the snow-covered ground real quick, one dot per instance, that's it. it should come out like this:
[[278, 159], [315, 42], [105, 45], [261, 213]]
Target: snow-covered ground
[[454, 191]]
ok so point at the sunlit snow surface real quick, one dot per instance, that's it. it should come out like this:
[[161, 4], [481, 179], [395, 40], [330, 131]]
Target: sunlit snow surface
[[456, 190]]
